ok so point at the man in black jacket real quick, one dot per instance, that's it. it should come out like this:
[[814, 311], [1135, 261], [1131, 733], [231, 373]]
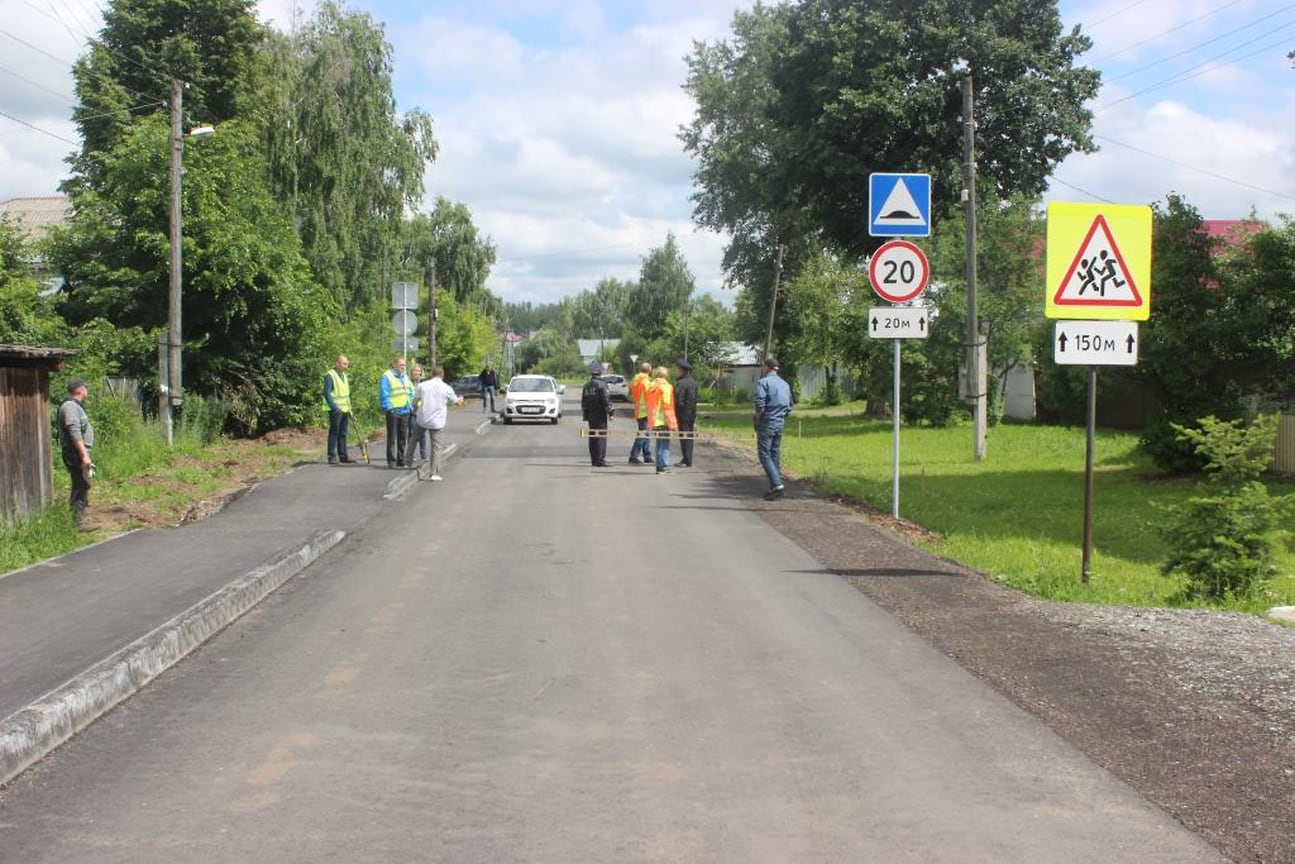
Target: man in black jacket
[[489, 387], [596, 410], [685, 409]]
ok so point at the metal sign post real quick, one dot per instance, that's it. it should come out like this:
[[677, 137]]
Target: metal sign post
[[896, 323]]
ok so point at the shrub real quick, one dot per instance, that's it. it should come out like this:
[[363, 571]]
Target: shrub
[[1222, 541]]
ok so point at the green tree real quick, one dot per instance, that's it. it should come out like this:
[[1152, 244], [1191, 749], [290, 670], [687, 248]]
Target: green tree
[[700, 333], [26, 316], [806, 99], [253, 319], [210, 45], [820, 299], [600, 313], [665, 285], [346, 164], [463, 257]]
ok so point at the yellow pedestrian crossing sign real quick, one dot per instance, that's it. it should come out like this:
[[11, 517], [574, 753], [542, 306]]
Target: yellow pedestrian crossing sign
[[1099, 262]]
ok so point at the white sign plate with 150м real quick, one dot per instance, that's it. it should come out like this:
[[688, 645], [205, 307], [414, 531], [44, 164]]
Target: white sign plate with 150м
[[1095, 343]]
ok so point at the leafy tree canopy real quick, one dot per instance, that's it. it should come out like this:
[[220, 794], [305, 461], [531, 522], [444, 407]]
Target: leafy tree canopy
[[665, 285]]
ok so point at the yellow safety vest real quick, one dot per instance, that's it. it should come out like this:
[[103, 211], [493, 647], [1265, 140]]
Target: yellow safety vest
[[341, 391], [398, 389], [660, 405]]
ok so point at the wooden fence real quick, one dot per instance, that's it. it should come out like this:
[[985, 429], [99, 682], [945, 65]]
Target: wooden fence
[[1284, 451]]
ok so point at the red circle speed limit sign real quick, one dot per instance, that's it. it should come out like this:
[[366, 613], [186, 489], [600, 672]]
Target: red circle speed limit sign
[[899, 271]]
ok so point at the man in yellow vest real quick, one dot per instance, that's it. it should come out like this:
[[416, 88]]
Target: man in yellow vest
[[337, 395], [639, 452], [396, 395], [661, 417]]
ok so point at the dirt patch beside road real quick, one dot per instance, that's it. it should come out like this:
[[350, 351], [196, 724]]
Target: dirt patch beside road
[[1195, 710]]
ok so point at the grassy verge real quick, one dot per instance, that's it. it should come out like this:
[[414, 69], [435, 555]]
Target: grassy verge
[[142, 483], [1018, 514]]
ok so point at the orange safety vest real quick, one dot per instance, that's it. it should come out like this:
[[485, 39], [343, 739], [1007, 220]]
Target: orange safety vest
[[638, 392], [660, 405]]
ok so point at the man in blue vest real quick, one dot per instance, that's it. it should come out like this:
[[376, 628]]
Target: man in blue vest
[[772, 405], [396, 396]]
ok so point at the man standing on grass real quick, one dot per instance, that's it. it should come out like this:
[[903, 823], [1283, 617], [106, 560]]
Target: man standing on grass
[[395, 395], [337, 395], [433, 399], [772, 405], [76, 438]]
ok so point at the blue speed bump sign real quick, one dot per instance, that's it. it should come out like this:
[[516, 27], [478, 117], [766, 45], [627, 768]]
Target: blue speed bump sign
[[899, 205]]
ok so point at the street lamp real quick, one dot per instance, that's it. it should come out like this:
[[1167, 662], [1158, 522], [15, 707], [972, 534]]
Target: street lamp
[[170, 395]]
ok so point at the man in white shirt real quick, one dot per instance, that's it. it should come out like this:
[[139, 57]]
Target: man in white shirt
[[432, 400]]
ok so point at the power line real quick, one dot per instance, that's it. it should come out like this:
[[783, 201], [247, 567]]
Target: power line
[[1163, 33], [1205, 65], [37, 128], [1093, 195], [1198, 45], [1119, 11], [568, 252], [1207, 173], [66, 96]]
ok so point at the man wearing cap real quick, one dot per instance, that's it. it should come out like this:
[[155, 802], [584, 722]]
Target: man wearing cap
[[596, 410], [772, 405], [685, 409], [76, 438]]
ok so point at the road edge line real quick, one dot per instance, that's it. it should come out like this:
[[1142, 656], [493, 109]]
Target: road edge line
[[29, 734]]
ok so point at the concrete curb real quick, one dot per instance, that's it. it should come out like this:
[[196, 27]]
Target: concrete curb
[[483, 425], [28, 735], [406, 480]]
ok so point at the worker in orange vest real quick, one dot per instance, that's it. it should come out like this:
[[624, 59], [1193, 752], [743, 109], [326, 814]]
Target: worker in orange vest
[[639, 452], [661, 417]]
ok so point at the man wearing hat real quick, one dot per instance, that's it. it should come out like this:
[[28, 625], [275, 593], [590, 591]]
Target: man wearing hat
[[76, 438], [685, 409], [596, 410], [772, 405]]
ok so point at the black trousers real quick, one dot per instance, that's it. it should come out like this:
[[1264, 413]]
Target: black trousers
[[597, 444], [80, 496], [338, 424], [685, 444], [397, 437]]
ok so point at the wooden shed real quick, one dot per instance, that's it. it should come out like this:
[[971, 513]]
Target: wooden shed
[[26, 454]]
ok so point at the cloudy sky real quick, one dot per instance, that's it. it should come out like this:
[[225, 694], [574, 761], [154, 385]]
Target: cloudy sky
[[557, 119]]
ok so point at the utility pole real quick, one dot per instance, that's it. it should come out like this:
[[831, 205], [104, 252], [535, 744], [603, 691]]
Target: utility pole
[[173, 378], [773, 302], [431, 312], [976, 375]]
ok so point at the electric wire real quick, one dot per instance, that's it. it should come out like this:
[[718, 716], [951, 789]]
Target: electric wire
[[1156, 36], [1198, 170], [1200, 45], [37, 128], [1081, 190], [1117, 12]]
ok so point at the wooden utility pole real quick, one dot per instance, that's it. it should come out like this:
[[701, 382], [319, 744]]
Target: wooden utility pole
[[173, 378], [773, 302], [976, 376]]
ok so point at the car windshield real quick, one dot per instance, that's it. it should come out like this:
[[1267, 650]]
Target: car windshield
[[531, 385]]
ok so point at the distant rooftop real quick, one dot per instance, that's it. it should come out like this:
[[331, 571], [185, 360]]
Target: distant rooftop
[[36, 216], [1231, 230]]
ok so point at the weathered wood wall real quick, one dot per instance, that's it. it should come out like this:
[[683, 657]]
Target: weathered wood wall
[[26, 464], [1284, 455]]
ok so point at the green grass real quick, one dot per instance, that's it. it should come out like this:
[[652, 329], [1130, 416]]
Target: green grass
[[1017, 515], [50, 533]]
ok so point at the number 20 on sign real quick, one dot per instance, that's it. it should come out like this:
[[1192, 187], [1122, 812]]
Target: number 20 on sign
[[899, 271]]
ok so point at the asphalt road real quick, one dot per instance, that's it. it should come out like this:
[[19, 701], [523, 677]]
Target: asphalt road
[[538, 661]]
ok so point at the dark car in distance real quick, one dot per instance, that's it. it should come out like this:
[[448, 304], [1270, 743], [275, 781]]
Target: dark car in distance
[[469, 386]]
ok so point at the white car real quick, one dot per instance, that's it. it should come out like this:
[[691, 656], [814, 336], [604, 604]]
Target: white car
[[533, 397]]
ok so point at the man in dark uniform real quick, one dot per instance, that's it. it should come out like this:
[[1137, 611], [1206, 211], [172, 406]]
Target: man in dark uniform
[[685, 409], [596, 410], [76, 438]]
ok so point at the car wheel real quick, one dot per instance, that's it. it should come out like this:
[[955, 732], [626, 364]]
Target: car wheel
[[508, 421], [554, 421]]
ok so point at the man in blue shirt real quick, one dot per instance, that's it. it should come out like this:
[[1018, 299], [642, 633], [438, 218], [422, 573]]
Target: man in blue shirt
[[772, 405]]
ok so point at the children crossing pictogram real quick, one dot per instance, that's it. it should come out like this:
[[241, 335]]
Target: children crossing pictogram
[[1098, 275]]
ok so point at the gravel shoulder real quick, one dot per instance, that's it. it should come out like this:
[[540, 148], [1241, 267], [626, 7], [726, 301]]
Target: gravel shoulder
[[1193, 709]]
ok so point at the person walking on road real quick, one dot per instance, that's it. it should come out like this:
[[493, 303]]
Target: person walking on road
[[416, 377], [661, 416], [337, 396], [772, 405], [596, 410], [395, 394], [433, 398], [489, 387], [638, 393], [685, 397], [76, 439]]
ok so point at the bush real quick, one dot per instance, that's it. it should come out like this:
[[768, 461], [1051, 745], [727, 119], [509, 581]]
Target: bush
[[1223, 542]]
